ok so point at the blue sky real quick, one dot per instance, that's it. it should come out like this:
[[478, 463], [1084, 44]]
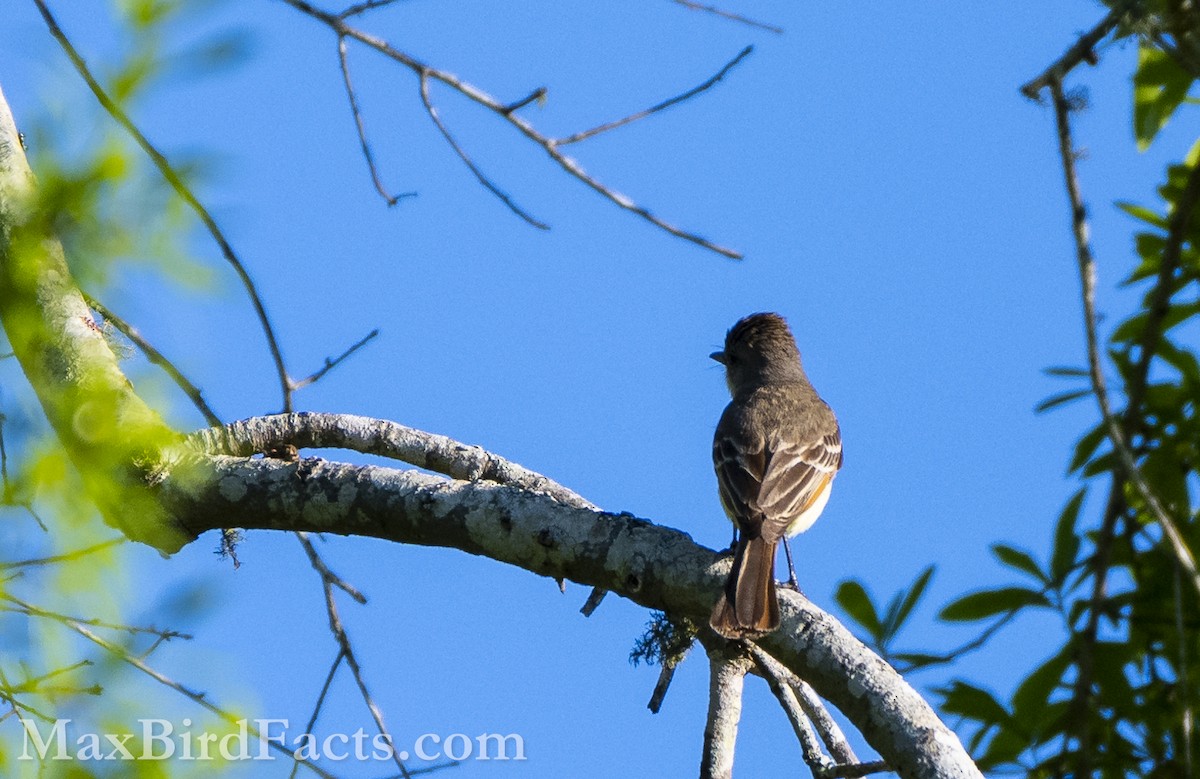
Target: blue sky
[[896, 199]]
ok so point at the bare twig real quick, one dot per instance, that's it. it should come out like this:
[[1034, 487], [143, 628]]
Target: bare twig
[[665, 674], [65, 557], [727, 675], [156, 357], [720, 74], [330, 364], [593, 601], [729, 15], [312, 721], [78, 626], [362, 131], [25, 608], [1083, 50], [380, 437], [537, 94], [328, 581], [573, 168], [359, 8], [173, 178], [776, 676], [488, 184], [1087, 276]]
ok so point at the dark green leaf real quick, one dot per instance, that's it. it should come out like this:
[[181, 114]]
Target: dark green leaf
[[917, 660], [1159, 86], [1021, 560], [1005, 748], [1062, 370], [1087, 447], [1181, 360], [1130, 331], [914, 595], [855, 601], [1060, 399], [983, 604], [1066, 541], [1144, 214], [967, 700], [1032, 697]]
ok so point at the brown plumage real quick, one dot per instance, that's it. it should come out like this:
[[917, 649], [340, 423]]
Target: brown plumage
[[775, 451]]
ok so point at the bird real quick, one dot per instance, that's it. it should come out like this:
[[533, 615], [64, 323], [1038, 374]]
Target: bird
[[776, 450]]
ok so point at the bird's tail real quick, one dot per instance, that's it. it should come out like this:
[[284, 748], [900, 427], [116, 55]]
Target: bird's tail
[[748, 606]]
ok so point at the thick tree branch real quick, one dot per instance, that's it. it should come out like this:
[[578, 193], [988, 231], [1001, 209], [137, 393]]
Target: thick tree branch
[[654, 566], [727, 677]]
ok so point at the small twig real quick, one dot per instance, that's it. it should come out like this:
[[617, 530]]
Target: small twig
[[835, 741], [769, 669], [25, 608], [720, 74], [156, 357], [16, 704], [1087, 277], [730, 15], [7, 355], [328, 575], [328, 581], [665, 674], [33, 684], [573, 168], [727, 675], [312, 721], [181, 189], [462, 155], [1083, 50], [78, 626], [65, 557], [330, 364], [537, 94], [593, 601], [362, 131], [1188, 724], [359, 8]]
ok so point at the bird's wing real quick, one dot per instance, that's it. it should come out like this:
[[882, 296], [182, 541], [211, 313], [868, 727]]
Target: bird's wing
[[740, 470], [797, 473]]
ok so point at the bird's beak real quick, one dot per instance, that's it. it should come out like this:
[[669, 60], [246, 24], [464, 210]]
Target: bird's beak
[[718, 356]]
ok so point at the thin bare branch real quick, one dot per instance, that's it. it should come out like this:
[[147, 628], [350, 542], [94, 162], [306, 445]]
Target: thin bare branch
[[330, 364], [730, 15], [156, 357], [712, 81], [727, 676], [329, 580], [66, 557], [535, 95], [25, 608], [593, 601], [360, 8], [776, 677], [573, 168], [1083, 50], [362, 130], [488, 184], [665, 674], [379, 437], [1087, 277], [173, 178], [78, 626], [312, 721]]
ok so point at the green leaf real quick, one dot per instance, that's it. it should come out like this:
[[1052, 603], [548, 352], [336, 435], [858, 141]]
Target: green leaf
[[1020, 560], [1144, 214], [1087, 447], [1181, 360], [1032, 697], [1130, 331], [967, 700], [986, 603], [914, 595], [917, 660], [1159, 86], [1060, 399], [1066, 541], [855, 601]]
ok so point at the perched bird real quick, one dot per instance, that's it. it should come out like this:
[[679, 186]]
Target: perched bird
[[775, 451]]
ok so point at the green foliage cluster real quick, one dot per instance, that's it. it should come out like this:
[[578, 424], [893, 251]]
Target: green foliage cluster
[[1117, 693]]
